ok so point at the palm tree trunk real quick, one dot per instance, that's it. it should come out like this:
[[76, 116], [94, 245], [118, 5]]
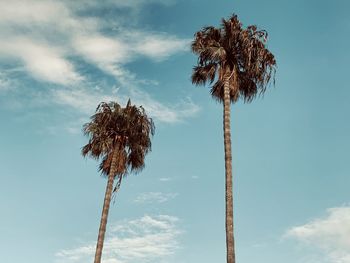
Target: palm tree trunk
[[230, 243], [105, 210]]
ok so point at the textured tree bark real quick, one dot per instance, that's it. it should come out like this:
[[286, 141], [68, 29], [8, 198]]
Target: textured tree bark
[[105, 210], [230, 243]]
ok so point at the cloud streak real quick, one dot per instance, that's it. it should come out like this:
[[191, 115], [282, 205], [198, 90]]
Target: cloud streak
[[86, 101], [146, 239], [154, 197]]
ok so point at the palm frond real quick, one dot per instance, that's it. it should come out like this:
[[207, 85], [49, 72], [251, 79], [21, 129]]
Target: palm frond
[[232, 47], [125, 132], [202, 74]]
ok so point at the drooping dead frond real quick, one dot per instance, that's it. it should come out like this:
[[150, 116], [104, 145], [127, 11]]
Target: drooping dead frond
[[202, 74]]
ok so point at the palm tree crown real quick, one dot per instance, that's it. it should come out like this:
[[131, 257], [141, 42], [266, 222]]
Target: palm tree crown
[[234, 54], [125, 130]]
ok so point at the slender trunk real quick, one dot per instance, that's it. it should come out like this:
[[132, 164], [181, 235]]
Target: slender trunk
[[105, 210], [230, 242]]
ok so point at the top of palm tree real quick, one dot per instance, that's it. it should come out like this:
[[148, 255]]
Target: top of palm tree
[[228, 49], [126, 131]]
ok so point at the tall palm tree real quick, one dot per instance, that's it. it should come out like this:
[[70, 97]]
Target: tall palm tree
[[237, 64], [120, 137]]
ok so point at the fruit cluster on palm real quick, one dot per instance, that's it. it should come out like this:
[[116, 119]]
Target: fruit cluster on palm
[[237, 64], [121, 138]]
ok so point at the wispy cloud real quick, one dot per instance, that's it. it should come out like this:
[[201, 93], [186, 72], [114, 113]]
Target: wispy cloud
[[147, 239], [30, 33], [81, 99], [29, 28], [55, 42], [5, 83], [41, 61], [86, 101], [330, 234], [154, 197], [133, 4], [158, 46], [165, 179], [126, 45]]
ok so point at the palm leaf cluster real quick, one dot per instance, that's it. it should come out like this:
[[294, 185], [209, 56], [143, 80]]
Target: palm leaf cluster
[[234, 54], [122, 131]]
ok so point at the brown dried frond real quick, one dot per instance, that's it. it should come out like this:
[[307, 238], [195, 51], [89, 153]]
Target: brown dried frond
[[233, 48], [202, 74], [125, 132]]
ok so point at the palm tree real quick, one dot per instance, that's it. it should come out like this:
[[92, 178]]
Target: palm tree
[[120, 137], [237, 64]]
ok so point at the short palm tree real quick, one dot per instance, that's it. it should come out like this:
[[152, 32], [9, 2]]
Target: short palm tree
[[120, 137], [237, 64]]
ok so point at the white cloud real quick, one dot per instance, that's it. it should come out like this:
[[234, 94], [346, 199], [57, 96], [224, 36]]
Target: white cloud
[[40, 60], [37, 34], [45, 39], [169, 114], [147, 239], [5, 83], [160, 47], [101, 49], [80, 99], [86, 102], [21, 12], [134, 4], [165, 179], [110, 53], [330, 234], [154, 197], [30, 29], [139, 3]]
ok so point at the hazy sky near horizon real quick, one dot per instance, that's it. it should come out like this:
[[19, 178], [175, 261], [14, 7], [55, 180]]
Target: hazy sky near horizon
[[59, 59]]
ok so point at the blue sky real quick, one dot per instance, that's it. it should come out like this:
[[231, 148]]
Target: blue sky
[[59, 59]]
